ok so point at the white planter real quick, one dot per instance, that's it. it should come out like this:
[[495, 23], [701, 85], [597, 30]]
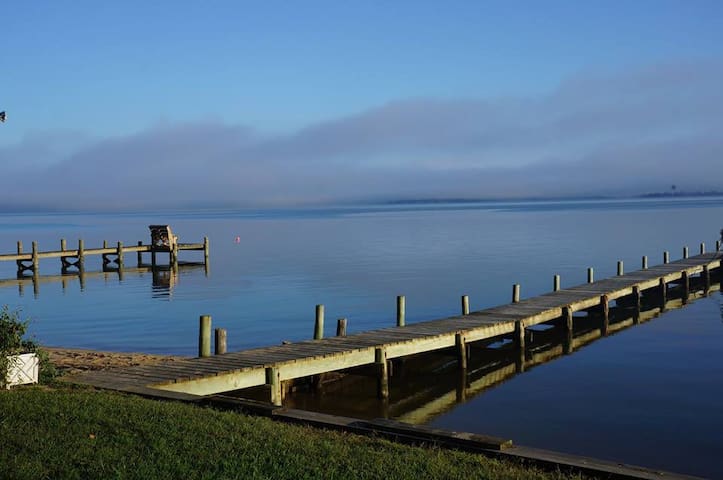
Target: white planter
[[22, 369]]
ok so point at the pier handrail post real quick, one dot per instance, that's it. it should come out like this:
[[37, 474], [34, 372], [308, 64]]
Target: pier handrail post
[[220, 337], [319, 323], [590, 275], [401, 310], [341, 327], [556, 283], [465, 305], [685, 252], [666, 257], [702, 248], [645, 262], [621, 270], [516, 293], [204, 336]]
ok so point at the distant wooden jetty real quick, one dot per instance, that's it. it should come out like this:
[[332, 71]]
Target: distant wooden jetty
[[162, 241], [278, 366]]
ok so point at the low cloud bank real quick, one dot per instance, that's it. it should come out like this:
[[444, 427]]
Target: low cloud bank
[[628, 133]]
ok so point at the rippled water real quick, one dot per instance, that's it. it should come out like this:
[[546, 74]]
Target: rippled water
[[647, 385]]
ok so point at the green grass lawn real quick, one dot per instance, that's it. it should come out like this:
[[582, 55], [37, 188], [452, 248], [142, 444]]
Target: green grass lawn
[[81, 433]]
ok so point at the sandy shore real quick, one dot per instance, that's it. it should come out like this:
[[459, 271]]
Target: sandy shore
[[74, 360]]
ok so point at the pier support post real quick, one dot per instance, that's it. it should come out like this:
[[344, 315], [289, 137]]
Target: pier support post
[[80, 263], [686, 286], [685, 252], [273, 380], [205, 250], [401, 310], [516, 293], [519, 335], [139, 255], [636, 304], [621, 269], [605, 307], [706, 279], [717, 245], [590, 275], [663, 291], [119, 255], [319, 323], [204, 336], [666, 257], [380, 360], [341, 327], [220, 338], [461, 347], [19, 263], [567, 318], [36, 259], [556, 283], [645, 262], [63, 247], [465, 305]]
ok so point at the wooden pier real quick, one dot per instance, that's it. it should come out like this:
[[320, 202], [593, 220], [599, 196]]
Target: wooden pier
[[73, 259], [278, 366]]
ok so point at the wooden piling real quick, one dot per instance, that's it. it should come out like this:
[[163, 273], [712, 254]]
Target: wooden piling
[[706, 279], [465, 305], [119, 255], [205, 250], [220, 341], [81, 255], [36, 259], [663, 293], [516, 293], [319, 323], [621, 270], [567, 318], [717, 245], [685, 252], [686, 286], [556, 283], [605, 307], [702, 248], [461, 347], [19, 263], [645, 262], [519, 335], [204, 336], [341, 327], [590, 275], [139, 255], [380, 360], [273, 380], [636, 304], [666, 257], [63, 245], [401, 310]]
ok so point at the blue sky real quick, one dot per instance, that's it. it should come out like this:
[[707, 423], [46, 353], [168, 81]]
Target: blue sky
[[80, 77]]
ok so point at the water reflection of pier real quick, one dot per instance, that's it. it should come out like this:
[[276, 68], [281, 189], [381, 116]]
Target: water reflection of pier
[[431, 384], [164, 278]]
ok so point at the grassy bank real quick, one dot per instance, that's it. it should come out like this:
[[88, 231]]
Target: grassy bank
[[79, 433]]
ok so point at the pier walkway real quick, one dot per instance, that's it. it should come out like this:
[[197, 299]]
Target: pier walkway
[[275, 366]]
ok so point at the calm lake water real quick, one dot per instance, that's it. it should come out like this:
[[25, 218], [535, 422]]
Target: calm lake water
[[648, 395]]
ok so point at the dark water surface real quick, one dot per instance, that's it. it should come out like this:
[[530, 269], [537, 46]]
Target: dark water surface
[[648, 395]]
